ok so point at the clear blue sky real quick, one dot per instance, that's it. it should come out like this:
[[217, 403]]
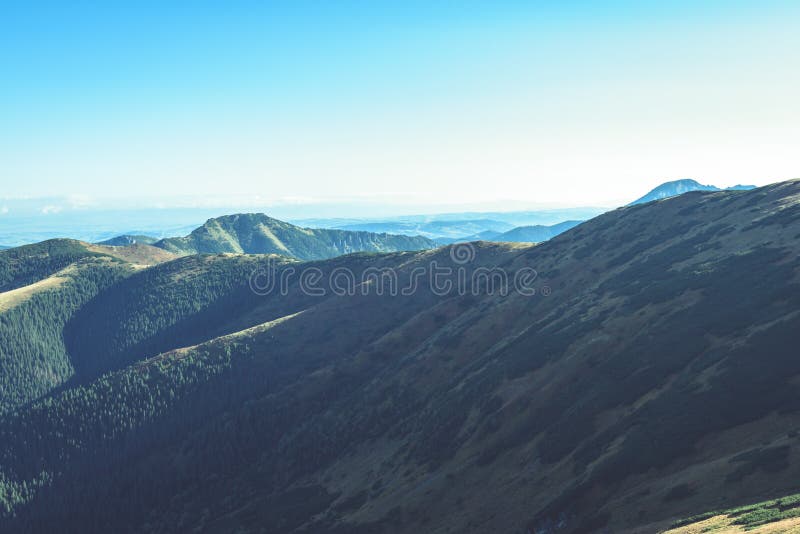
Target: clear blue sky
[[395, 101]]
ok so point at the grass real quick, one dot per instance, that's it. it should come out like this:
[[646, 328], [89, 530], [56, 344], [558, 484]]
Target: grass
[[743, 518], [138, 254], [15, 297]]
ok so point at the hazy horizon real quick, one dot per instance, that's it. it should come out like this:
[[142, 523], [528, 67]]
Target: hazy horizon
[[333, 206], [29, 220], [464, 103]]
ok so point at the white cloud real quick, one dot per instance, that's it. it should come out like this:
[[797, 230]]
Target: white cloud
[[47, 210], [3, 210]]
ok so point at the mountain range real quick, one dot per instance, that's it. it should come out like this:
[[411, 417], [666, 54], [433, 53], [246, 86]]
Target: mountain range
[[432, 221], [535, 234], [49, 217], [256, 233], [625, 376], [149, 226], [435, 229]]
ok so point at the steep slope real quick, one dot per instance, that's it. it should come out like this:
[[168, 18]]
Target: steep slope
[[44, 285], [679, 187], [255, 233], [179, 303], [652, 376]]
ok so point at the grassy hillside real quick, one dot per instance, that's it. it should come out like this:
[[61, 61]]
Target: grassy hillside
[[138, 254], [30, 263], [255, 233], [773, 516], [653, 376], [27, 264]]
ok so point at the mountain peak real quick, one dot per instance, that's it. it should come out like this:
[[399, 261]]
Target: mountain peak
[[674, 188], [258, 233], [679, 187], [239, 217]]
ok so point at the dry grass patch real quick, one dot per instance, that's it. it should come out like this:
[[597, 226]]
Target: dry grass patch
[[138, 254], [15, 297]]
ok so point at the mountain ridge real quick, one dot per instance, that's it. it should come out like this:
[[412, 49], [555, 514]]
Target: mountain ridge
[[128, 239], [536, 233], [600, 402], [257, 233]]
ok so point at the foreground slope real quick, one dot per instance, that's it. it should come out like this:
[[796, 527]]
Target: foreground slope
[[781, 515], [653, 375], [256, 233]]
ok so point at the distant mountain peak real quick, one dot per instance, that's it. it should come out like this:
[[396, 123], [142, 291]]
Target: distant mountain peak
[[679, 187], [258, 233]]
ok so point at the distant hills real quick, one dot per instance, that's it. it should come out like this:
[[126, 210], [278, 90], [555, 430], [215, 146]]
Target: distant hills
[[256, 233], [261, 234], [435, 229], [26, 221], [147, 226], [650, 377], [445, 228], [220, 235], [495, 227], [521, 234], [511, 218], [537, 233], [126, 240], [678, 187]]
